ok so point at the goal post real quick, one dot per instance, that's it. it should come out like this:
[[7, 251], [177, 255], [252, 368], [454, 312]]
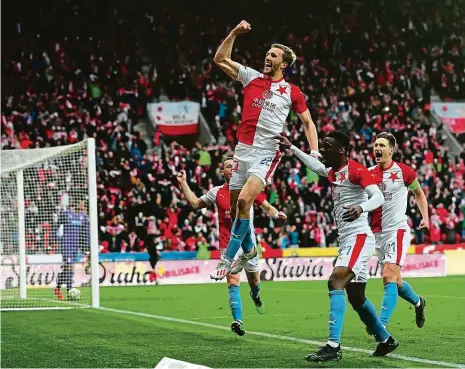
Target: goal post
[[49, 228]]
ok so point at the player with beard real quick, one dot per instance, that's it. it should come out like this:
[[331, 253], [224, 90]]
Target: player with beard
[[355, 193], [219, 196], [389, 224], [268, 99]]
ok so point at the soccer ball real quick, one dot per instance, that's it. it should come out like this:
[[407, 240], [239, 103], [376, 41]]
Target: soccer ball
[[74, 294]]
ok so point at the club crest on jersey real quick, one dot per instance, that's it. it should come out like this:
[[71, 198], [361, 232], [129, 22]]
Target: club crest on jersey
[[267, 94]]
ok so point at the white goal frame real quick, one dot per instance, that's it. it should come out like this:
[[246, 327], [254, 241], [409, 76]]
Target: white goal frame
[[44, 154]]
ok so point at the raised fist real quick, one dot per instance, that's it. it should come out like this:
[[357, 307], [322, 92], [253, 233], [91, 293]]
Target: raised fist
[[242, 27], [181, 176]]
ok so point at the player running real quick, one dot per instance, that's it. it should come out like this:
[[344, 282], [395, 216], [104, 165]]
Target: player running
[[389, 223], [355, 193], [268, 99], [219, 196]]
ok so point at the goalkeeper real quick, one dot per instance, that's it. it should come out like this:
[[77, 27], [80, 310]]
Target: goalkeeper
[[72, 232]]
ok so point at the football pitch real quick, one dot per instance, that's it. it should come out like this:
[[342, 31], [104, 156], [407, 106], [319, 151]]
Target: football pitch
[[140, 325]]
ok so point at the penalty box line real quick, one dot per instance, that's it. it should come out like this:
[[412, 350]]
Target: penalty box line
[[279, 337]]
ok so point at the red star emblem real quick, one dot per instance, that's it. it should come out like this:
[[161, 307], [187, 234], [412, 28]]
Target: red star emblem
[[342, 177], [393, 176], [281, 90]]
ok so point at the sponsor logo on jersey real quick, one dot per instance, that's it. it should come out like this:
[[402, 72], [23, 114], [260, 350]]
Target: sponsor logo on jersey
[[263, 104]]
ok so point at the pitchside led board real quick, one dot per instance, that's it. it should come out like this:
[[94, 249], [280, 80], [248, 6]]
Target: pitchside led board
[[43, 270], [175, 118]]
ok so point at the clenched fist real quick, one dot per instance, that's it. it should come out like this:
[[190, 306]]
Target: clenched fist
[[242, 27], [181, 177]]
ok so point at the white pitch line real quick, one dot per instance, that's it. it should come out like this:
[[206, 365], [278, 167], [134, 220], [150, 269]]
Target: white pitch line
[[255, 315], [282, 338]]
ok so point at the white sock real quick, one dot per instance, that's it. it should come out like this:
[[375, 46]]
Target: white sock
[[333, 344]]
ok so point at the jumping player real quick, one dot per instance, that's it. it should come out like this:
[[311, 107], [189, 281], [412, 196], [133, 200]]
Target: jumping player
[[219, 196], [389, 223], [268, 99], [355, 193]]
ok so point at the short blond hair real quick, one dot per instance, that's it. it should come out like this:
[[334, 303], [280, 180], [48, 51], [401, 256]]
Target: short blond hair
[[289, 56]]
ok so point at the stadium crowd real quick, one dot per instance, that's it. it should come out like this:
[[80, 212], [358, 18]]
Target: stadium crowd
[[80, 70]]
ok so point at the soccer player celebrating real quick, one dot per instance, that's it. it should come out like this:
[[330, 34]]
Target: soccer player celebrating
[[268, 99], [389, 223], [72, 226], [219, 196], [355, 193]]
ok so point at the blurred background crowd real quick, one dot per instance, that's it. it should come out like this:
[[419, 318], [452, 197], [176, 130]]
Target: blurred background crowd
[[73, 70]]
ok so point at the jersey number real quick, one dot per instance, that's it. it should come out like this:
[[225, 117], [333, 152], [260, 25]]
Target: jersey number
[[346, 250], [266, 161]]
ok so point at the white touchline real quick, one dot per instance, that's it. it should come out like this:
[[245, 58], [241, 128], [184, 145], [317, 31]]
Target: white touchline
[[282, 338], [257, 316]]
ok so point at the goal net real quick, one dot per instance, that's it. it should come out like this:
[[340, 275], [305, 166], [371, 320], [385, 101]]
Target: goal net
[[49, 234]]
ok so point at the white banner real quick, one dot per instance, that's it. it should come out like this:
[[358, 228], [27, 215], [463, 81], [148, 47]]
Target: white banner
[[175, 118]]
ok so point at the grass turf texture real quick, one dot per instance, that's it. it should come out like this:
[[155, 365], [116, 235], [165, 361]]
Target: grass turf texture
[[94, 338]]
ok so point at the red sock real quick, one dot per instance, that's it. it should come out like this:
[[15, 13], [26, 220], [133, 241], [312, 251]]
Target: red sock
[[58, 293]]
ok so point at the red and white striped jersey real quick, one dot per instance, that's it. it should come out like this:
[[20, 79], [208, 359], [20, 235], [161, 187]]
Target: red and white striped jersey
[[265, 108], [348, 187], [393, 183], [219, 196]]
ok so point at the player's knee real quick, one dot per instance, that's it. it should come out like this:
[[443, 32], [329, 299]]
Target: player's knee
[[389, 279], [390, 274], [243, 203], [335, 283]]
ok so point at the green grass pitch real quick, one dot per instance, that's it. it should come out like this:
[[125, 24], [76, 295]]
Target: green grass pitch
[[297, 310]]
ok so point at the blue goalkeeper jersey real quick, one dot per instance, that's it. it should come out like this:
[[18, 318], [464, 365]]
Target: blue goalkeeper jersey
[[74, 232]]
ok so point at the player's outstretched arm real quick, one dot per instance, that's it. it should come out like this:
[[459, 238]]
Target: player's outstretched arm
[[310, 131], [314, 164], [422, 203], [271, 211], [191, 198], [223, 54]]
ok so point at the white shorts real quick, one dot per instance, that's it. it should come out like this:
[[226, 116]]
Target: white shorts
[[252, 265], [392, 246], [354, 252], [249, 161]]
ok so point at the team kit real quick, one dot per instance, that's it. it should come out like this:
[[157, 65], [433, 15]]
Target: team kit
[[369, 203]]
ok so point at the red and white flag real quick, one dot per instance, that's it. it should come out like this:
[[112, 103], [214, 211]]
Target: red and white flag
[[175, 118]]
